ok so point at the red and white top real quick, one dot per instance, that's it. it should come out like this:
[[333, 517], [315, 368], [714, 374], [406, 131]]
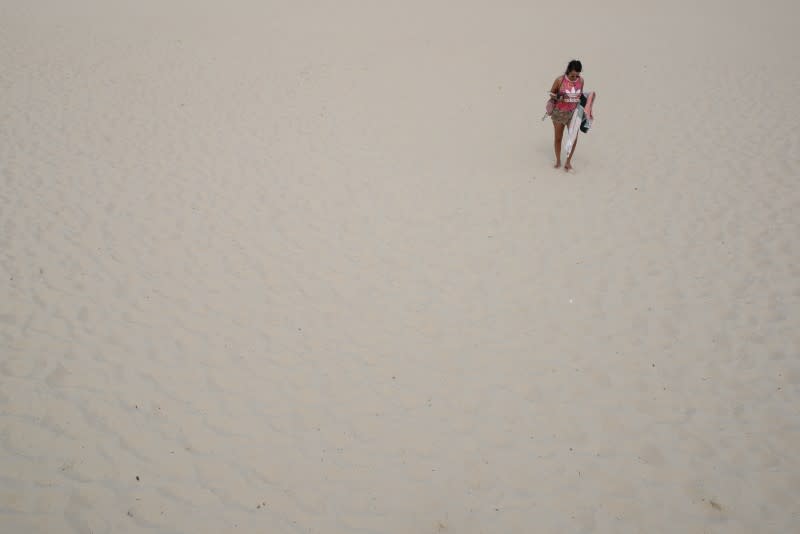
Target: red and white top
[[569, 94]]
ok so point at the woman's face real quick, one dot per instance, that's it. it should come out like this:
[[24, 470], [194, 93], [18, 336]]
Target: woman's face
[[573, 75]]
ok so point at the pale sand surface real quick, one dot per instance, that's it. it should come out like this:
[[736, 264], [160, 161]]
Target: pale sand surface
[[309, 269]]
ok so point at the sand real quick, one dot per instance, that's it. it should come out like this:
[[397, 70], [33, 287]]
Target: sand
[[306, 267]]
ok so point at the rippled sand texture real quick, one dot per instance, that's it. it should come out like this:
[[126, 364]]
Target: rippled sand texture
[[276, 267]]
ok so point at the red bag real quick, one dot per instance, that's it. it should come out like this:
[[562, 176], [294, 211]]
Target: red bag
[[549, 107]]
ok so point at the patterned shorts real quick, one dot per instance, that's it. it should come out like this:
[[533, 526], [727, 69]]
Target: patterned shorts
[[562, 117]]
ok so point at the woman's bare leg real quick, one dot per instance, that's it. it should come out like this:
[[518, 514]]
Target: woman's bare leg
[[559, 134], [568, 164]]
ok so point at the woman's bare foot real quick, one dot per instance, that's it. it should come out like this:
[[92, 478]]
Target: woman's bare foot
[[557, 165], [568, 166]]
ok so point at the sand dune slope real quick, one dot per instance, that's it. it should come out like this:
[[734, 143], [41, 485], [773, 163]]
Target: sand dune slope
[[278, 267]]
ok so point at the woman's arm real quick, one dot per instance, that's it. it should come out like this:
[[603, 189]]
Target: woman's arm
[[554, 89], [588, 108]]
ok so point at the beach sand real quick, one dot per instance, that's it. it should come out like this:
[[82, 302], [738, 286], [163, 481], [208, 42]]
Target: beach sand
[[282, 267]]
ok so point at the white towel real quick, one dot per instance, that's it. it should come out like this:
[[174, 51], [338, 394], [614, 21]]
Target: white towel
[[572, 131]]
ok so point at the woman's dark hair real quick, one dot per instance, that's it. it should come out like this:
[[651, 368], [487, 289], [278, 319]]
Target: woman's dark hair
[[573, 65]]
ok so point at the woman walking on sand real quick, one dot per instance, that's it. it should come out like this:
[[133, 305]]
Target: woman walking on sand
[[566, 93]]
